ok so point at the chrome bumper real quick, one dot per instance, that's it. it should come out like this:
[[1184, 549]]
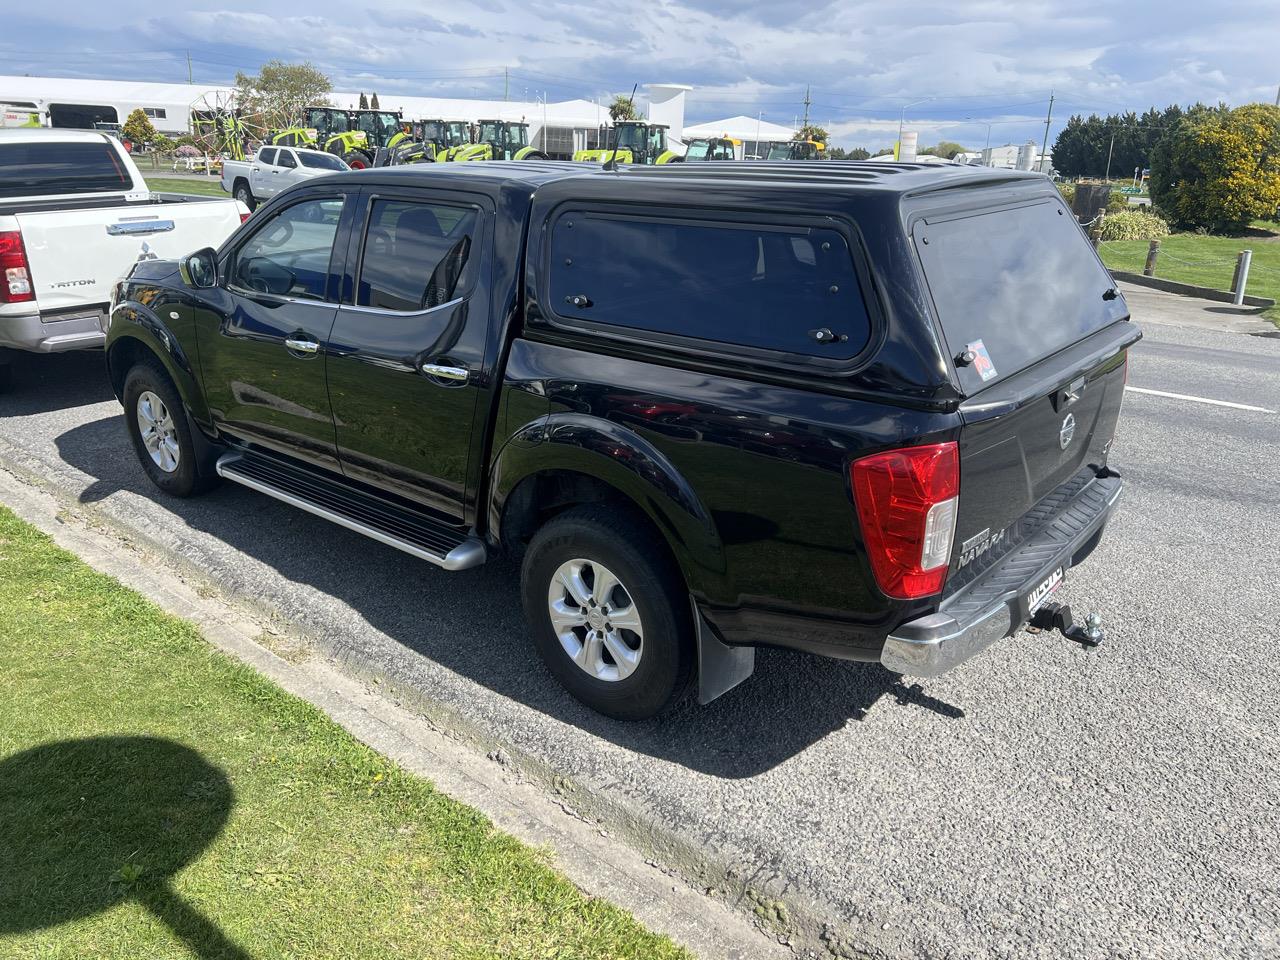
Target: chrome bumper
[[995, 606], [54, 334]]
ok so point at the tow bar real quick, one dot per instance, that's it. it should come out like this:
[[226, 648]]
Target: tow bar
[[1057, 616]]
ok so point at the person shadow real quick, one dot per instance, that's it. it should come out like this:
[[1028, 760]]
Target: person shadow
[[89, 824]]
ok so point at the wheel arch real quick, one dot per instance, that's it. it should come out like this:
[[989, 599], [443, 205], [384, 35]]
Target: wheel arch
[[568, 459], [137, 334]]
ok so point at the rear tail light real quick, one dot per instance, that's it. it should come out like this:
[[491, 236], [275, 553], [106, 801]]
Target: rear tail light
[[906, 503], [244, 216], [15, 273]]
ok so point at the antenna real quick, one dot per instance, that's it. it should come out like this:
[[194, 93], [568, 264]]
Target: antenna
[[612, 162]]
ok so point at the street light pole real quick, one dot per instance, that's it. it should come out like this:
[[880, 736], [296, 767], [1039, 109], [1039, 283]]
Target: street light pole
[[902, 121]]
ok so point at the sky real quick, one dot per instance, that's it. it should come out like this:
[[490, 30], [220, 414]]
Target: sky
[[963, 70]]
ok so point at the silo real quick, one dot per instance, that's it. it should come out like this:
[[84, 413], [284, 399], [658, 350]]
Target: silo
[[1027, 155]]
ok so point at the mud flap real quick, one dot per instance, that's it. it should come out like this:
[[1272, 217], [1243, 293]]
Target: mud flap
[[720, 666]]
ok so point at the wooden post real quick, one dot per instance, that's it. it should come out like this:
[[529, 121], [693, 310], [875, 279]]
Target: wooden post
[[1153, 251]]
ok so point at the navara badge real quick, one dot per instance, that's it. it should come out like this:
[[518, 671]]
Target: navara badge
[[1068, 431]]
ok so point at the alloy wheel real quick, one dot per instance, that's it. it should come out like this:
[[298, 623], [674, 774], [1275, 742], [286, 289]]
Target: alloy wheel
[[595, 619]]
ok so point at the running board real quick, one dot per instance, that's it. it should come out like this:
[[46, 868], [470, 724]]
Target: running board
[[356, 509]]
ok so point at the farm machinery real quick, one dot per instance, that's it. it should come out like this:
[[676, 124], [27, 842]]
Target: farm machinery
[[353, 135], [631, 141], [496, 140]]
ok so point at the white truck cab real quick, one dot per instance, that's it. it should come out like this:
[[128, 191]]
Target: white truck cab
[[75, 215], [274, 169]]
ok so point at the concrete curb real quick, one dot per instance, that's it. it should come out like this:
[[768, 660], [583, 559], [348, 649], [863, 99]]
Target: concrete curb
[[752, 913], [1191, 290]]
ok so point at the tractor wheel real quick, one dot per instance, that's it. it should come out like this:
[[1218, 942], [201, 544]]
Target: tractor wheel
[[356, 160], [534, 155]]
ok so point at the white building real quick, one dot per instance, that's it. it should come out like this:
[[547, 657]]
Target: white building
[[755, 133], [558, 127]]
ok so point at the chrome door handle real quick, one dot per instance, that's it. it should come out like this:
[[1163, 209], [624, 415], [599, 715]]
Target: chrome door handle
[[302, 346], [443, 372]]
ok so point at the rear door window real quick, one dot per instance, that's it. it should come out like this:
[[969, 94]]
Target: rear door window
[[755, 285], [53, 168], [1020, 282], [267, 155], [415, 255]]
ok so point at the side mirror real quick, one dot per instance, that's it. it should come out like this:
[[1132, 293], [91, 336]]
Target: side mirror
[[200, 269]]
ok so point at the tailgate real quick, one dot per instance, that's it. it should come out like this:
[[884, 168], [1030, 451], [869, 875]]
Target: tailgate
[[77, 255], [1039, 338]]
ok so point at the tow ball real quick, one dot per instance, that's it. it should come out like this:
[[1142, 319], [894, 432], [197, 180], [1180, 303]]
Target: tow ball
[[1057, 616]]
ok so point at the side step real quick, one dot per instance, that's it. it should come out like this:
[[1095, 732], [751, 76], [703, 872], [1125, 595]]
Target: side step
[[354, 508]]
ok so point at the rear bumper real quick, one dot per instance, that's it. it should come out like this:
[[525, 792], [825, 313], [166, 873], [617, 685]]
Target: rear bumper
[[78, 330], [996, 605]]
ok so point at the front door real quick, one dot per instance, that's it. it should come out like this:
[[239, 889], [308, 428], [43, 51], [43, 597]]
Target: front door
[[405, 360], [262, 348]]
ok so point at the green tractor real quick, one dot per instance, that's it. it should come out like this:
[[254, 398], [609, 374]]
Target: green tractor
[[496, 140], [429, 141], [712, 148], [796, 150], [631, 141], [353, 135]]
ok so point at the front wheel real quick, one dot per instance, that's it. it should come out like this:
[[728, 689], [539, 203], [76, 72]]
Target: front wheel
[[609, 615], [244, 195], [161, 435], [356, 160]]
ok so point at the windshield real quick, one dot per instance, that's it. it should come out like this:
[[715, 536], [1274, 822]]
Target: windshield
[[630, 136], [322, 161], [457, 131], [490, 132], [780, 150], [50, 169], [432, 130], [379, 127], [519, 134], [698, 150]]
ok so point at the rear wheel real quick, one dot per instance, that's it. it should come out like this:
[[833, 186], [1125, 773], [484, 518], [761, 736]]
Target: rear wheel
[[356, 160], [244, 195], [157, 425], [608, 612]]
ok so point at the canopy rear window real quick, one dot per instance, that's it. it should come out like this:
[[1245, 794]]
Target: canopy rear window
[[50, 168], [1021, 282]]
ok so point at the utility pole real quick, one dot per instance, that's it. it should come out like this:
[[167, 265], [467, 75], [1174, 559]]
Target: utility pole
[[807, 101], [189, 77], [506, 81], [1044, 149], [1278, 96], [1107, 176]]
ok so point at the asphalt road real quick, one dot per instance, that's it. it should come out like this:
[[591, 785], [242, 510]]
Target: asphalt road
[[1042, 801]]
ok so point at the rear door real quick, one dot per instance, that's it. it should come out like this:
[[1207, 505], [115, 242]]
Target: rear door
[[1038, 337], [406, 357]]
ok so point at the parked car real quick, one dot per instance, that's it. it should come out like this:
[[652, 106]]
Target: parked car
[[75, 214], [274, 169], [859, 411]]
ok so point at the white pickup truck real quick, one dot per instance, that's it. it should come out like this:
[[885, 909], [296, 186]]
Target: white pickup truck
[[75, 215], [274, 169]]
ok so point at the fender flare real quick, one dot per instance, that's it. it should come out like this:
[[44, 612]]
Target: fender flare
[[622, 459], [134, 322]]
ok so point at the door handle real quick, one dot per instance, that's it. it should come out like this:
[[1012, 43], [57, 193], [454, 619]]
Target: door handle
[[443, 372], [302, 346]]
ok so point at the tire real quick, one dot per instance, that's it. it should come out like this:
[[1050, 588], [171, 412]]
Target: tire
[[149, 395], [356, 160], [649, 593], [241, 192]]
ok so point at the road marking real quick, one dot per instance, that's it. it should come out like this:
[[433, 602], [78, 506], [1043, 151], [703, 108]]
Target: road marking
[[1216, 403]]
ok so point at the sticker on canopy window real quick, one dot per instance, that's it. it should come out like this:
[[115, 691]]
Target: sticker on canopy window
[[981, 360]]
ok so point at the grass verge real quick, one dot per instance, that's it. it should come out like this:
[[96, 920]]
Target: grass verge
[[1208, 261], [159, 800], [205, 188]]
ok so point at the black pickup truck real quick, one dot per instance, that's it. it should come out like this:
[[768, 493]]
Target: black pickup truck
[[857, 409]]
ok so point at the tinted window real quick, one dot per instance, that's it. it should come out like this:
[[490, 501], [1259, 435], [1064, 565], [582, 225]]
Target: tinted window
[[286, 160], [745, 284], [322, 161], [267, 155], [414, 254], [1023, 280], [289, 255], [47, 168]]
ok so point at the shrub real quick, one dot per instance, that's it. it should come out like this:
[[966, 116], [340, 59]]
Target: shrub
[[187, 150], [1219, 171], [138, 127], [1068, 191], [1133, 224]]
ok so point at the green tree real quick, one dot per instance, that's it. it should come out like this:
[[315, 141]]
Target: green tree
[[622, 108], [277, 96], [1219, 169], [812, 132], [850, 153], [373, 102], [364, 102], [138, 127], [946, 149]]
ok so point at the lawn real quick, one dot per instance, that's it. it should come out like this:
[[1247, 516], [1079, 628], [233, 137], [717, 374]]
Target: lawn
[[160, 800], [208, 188], [1208, 261]]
